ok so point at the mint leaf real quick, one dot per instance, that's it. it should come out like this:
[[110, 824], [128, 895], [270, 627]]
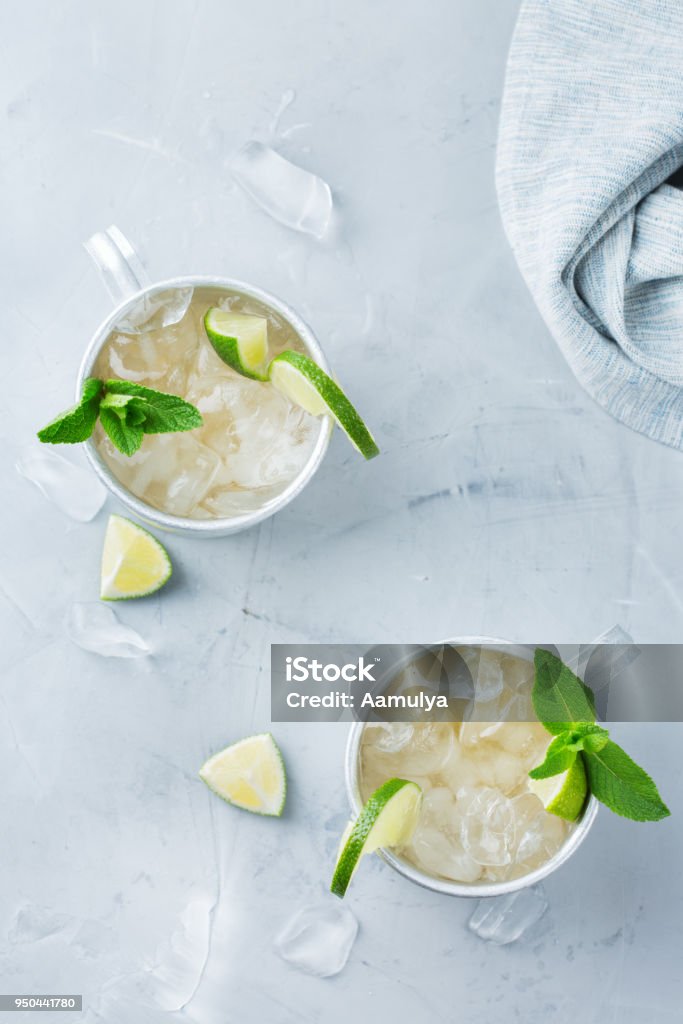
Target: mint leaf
[[76, 424], [163, 413], [117, 403], [559, 697], [124, 436], [558, 758], [136, 412], [622, 785], [591, 738]]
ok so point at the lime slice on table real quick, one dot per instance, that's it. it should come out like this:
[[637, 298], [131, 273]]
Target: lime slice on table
[[240, 339], [134, 563], [249, 774], [387, 819], [305, 384], [563, 795]]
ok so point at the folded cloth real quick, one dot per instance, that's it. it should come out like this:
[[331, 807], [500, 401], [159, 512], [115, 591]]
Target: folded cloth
[[591, 130]]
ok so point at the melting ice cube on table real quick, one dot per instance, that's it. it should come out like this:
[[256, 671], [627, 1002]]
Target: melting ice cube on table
[[33, 924], [505, 919], [74, 489], [290, 194], [96, 628], [318, 938]]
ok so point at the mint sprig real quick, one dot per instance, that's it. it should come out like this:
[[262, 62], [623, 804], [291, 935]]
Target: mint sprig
[[127, 411], [566, 708], [155, 411]]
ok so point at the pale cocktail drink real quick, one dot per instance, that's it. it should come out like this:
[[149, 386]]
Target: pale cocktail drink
[[253, 441], [479, 821]]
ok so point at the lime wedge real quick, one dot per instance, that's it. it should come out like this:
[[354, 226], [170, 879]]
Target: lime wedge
[[249, 774], [134, 563], [387, 819], [563, 795], [305, 384], [240, 339]]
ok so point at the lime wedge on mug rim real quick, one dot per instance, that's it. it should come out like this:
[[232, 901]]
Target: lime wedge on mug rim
[[563, 795], [305, 384], [388, 819]]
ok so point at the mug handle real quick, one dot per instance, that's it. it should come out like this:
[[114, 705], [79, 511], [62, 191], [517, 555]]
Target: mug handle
[[118, 263]]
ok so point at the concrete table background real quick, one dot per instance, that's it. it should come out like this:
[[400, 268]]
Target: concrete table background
[[505, 503]]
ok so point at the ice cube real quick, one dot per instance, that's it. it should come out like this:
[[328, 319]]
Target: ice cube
[[180, 959], [96, 628], [262, 439], [518, 707], [435, 846], [172, 472], [614, 635], [438, 806], [318, 938], [538, 835], [459, 669], [519, 674], [490, 678], [428, 750], [460, 769], [474, 733], [487, 826], [155, 311], [440, 853], [527, 740], [290, 194], [225, 503], [33, 924], [73, 488], [505, 919], [388, 737], [499, 769]]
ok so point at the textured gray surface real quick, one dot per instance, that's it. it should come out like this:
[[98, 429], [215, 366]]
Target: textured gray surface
[[505, 503]]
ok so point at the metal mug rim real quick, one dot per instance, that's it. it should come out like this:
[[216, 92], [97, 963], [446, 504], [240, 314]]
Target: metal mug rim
[[476, 890], [184, 524]]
